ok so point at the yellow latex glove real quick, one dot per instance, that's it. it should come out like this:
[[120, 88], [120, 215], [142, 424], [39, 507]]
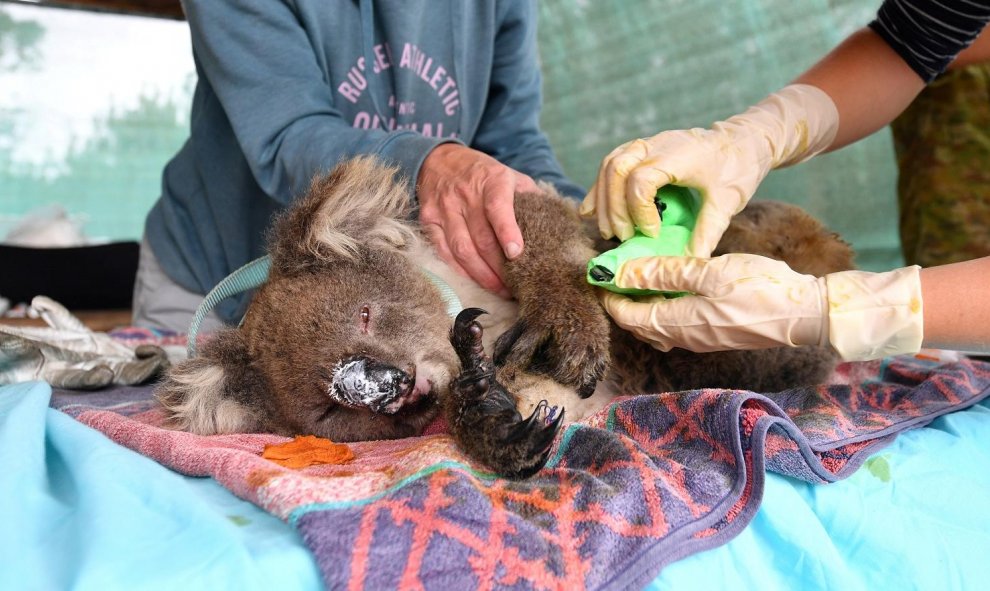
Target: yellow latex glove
[[725, 164], [745, 301]]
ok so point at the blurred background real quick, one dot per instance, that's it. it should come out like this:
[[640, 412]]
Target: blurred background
[[92, 104]]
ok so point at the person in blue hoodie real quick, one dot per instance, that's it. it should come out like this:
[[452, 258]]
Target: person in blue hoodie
[[448, 91]]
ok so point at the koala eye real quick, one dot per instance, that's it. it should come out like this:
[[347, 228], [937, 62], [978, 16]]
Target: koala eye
[[365, 316]]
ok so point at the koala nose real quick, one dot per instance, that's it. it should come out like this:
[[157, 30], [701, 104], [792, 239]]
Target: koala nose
[[389, 377], [408, 381], [367, 382]]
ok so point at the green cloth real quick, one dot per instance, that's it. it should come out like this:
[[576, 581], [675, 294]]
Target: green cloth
[[942, 143]]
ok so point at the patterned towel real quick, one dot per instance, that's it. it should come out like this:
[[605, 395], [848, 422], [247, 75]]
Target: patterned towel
[[647, 481]]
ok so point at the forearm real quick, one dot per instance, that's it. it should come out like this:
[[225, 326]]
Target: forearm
[[509, 129], [314, 145], [957, 305], [868, 82], [262, 68]]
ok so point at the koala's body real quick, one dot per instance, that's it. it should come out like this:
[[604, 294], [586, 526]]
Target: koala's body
[[349, 338]]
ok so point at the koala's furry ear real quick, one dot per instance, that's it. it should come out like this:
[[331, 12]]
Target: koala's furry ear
[[361, 204], [216, 392]]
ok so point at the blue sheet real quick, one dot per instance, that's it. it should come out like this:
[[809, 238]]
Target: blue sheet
[[913, 517], [82, 512]]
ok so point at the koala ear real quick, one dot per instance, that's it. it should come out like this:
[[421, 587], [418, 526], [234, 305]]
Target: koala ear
[[361, 204], [216, 392]]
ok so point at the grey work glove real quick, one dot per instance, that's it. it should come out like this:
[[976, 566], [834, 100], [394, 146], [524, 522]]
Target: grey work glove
[[66, 354]]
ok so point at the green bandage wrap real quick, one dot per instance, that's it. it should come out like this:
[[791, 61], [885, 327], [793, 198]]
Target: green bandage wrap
[[678, 211]]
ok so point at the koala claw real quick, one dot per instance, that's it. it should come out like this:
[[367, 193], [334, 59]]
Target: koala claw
[[522, 428], [465, 336], [539, 429], [482, 414], [577, 359]]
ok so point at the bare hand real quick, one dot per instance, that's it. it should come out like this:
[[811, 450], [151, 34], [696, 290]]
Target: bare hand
[[466, 208]]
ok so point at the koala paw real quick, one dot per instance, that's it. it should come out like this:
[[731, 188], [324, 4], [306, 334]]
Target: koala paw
[[482, 414], [570, 345]]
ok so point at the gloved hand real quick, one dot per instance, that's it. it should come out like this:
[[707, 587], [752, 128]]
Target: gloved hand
[[725, 164], [66, 354], [745, 301]]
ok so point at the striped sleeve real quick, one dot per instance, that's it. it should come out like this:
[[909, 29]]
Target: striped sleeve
[[928, 34]]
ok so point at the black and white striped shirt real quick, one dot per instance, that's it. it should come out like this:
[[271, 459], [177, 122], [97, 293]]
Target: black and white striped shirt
[[928, 34]]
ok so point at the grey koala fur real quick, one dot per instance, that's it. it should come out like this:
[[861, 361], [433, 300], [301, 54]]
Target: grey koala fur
[[349, 338]]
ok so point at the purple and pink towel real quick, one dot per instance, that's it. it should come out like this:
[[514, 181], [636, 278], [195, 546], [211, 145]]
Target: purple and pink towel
[[647, 481]]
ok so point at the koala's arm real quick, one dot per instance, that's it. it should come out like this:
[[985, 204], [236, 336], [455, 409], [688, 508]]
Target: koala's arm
[[562, 331], [557, 249]]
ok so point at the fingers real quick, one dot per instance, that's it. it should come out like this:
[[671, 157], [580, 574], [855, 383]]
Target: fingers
[[608, 198], [602, 205], [641, 192], [456, 248], [479, 252], [635, 317], [466, 210], [618, 213], [708, 230], [587, 206], [664, 274], [495, 236], [620, 206], [710, 278], [473, 244], [439, 241], [524, 183], [624, 193], [499, 206], [590, 204], [667, 323]]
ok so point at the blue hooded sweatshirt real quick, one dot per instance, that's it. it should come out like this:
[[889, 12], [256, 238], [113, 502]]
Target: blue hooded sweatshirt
[[289, 88]]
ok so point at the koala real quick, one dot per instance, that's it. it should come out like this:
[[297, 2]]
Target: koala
[[350, 338]]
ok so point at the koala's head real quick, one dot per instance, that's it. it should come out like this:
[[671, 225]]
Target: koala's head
[[348, 339]]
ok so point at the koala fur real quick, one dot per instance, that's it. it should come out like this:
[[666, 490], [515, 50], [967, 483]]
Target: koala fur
[[349, 338]]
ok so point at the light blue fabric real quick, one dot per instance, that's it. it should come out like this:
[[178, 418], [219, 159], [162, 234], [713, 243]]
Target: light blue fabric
[[81, 512], [913, 517]]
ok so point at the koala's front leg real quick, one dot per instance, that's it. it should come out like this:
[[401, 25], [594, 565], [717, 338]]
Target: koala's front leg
[[562, 331], [482, 413]]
